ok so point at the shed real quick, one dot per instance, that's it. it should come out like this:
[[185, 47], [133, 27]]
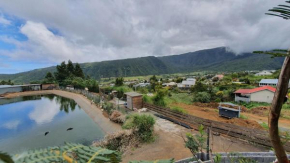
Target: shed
[[49, 86], [229, 110], [134, 100]]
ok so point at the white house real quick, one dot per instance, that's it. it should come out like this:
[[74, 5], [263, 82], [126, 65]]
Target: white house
[[263, 73], [141, 85], [260, 94], [185, 84], [170, 84]]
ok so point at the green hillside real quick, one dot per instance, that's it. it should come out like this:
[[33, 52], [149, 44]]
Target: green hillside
[[217, 59]]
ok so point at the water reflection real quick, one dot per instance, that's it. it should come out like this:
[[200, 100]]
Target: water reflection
[[24, 120]]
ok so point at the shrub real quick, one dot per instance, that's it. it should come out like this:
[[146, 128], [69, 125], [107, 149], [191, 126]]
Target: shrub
[[146, 99], [158, 99], [202, 97], [243, 116], [143, 124], [265, 125], [196, 143], [108, 107], [178, 110]]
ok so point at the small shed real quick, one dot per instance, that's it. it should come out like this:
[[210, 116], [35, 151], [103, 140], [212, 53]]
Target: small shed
[[229, 110], [134, 100], [49, 86]]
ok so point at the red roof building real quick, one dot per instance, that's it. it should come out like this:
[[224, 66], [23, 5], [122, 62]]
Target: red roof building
[[259, 94]]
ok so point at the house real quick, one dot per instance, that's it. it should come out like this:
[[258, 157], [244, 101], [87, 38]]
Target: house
[[259, 94], [186, 84], [219, 76], [264, 73], [134, 100], [170, 84], [270, 82], [19, 88], [141, 85], [70, 87]]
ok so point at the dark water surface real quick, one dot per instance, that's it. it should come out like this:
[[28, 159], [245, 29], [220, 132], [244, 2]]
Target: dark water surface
[[24, 121]]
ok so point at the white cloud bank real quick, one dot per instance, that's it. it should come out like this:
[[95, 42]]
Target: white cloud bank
[[105, 30]]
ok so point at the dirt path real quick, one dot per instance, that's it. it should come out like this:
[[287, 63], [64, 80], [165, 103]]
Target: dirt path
[[92, 110], [169, 144]]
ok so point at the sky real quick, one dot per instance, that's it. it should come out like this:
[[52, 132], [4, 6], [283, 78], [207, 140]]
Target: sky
[[41, 33]]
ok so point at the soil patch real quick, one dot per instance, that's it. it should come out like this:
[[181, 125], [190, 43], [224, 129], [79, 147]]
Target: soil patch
[[212, 114]]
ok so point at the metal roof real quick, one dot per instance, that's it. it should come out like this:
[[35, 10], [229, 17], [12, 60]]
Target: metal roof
[[133, 94], [249, 91], [269, 81]]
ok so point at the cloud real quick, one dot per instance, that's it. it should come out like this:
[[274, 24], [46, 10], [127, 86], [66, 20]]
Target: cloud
[[4, 21], [11, 124], [44, 113], [90, 31]]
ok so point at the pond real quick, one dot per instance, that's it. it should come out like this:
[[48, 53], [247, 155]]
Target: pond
[[25, 120]]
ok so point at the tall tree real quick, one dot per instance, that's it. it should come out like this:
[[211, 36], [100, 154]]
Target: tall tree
[[79, 72], [49, 78], [282, 11], [70, 67], [61, 72]]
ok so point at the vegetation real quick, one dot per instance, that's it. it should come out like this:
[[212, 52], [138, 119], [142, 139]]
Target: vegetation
[[8, 82], [202, 97], [196, 143], [251, 105], [68, 153], [119, 81], [158, 99], [143, 124], [178, 110]]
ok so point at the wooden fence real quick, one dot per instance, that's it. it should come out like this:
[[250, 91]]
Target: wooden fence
[[255, 136]]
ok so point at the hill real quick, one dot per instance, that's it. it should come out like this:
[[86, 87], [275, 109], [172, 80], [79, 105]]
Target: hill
[[216, 59]]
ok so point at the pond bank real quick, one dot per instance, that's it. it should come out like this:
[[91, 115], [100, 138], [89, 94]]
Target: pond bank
[[92, 111]]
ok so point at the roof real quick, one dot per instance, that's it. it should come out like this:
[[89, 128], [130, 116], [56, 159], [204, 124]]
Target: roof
[[189, 81], [133, 94], [270, 81], [249, 91]]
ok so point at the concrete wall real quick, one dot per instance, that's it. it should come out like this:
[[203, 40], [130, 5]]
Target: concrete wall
[[262, 96]]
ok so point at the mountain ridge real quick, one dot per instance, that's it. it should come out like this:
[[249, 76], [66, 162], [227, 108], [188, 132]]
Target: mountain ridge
[[216, 59]]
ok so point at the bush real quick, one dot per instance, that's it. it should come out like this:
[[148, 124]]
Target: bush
[[146, 99], [158, 99], [108, 107], [144, 124], [178, 110], [202, 97]]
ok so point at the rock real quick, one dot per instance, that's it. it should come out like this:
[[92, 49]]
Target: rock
[[117, 117]]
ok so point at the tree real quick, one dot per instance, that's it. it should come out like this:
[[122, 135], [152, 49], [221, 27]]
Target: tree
[[49, 78], [153, 78], [119, 81], [70, 67], [202, 97], [79, 72], [199, 87], [282, 11], [61, 73]]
